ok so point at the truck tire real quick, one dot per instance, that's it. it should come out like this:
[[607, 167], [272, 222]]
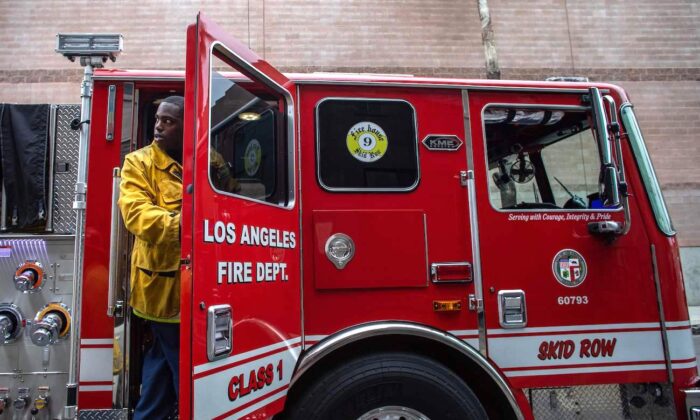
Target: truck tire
[[388, 386]]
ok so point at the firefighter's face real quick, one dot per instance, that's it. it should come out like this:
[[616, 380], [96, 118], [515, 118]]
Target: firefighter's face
[[168, 129]]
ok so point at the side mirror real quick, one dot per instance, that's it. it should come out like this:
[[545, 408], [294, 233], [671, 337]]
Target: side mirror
[[609, 186]]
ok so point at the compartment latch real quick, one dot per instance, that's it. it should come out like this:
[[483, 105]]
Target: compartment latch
[[219, 332]]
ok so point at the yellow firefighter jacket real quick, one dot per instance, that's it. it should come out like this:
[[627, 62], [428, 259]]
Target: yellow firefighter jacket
[[150, 201]]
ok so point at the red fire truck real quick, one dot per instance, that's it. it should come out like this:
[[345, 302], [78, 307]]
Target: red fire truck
[[395, 247]]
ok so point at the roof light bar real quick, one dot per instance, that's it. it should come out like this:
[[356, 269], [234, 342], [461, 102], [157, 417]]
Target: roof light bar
[[74, 45]]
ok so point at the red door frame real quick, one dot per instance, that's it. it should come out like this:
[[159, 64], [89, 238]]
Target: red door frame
[[266, 316]]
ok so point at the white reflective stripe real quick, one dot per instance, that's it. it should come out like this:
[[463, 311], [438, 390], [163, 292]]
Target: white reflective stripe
[[595, 369], [574, 328], [685, 365], [211, 393], [314, 338], [95, 341], [464, 332], [252, 353], [680, 344], [95, 388], [272, 398], [510, 352], [672, 324], [96, 365]]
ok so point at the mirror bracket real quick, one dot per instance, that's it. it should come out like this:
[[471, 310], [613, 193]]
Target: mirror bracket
[[609, 229]]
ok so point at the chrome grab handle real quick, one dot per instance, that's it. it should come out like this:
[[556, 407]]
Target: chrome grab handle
[[512, 310], [114, 245], [111, 105], [219, 332]]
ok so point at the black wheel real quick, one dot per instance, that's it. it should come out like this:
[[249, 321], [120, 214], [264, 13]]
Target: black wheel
[[388, 386]]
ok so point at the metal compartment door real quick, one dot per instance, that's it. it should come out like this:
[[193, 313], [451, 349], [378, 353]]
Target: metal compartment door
[[241, 297]]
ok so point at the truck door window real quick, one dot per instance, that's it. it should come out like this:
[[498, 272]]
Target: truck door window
[[247, 142], [541, 158], [366, 145]]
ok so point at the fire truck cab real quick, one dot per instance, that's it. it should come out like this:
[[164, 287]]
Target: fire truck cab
[[381, 247]]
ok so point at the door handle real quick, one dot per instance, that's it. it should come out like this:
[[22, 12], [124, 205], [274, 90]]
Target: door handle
[[512, 310], [219, 332]]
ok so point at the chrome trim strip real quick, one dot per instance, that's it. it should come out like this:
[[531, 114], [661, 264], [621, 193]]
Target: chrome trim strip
[[111, 106], [114, 244], [467, 130], [662, 316], [301, 209], [476, 266], [425, 247], [289, 115], [359, 332], [318, 157], [52, 157], [45, 236]]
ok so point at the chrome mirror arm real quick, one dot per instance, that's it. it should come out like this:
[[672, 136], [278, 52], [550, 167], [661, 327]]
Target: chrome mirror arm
[[624, 193]]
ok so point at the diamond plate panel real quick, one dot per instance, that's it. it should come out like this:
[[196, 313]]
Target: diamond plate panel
[[67, 143], [102, 414], [626, 401]]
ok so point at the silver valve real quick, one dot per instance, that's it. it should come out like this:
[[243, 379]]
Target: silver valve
[[11, 323], [4, 399], [22, 400], [50, 324], [46, 331], [25, 281], [6, 326], [29, 276]]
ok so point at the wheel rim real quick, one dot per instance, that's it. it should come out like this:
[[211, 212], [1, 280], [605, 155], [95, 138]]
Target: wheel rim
[[393, 412]]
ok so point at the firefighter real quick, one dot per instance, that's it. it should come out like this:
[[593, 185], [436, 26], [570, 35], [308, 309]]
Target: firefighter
[[150, 202]]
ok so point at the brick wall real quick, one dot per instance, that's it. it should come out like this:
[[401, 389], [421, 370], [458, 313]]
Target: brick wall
[[651, 48]]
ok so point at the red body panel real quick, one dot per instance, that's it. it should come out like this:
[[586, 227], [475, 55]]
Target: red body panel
[[438, 196]]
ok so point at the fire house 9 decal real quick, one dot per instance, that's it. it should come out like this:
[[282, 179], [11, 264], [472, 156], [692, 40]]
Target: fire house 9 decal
[[569, 268], [366, 141], [238, 272]]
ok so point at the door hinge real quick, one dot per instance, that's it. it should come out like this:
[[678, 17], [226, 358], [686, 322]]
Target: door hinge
[[185, 261], [463, 178]]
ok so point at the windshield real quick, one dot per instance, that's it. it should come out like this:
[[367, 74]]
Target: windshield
[[651, 184]]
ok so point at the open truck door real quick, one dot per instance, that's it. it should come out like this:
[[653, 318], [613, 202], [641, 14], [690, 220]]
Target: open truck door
[[241, 297]]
